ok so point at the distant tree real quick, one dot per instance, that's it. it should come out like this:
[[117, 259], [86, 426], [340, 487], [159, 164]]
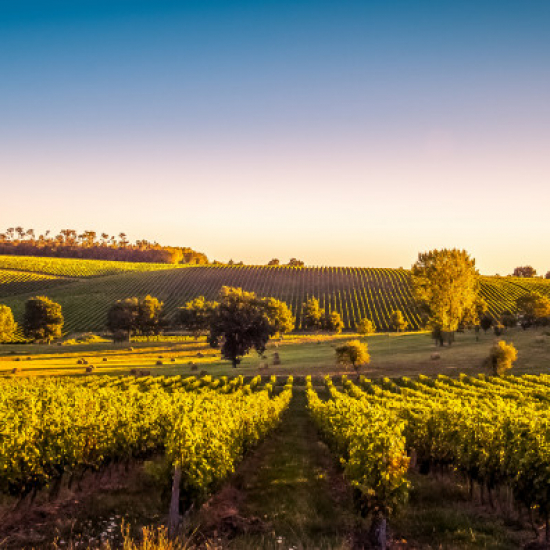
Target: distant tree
[[122, 316], [150, 319], [446, 288], [240, 324], [136, 316], [43, 319], [534, 309], [7, 324], [333, 323], [508, 319], [525, 271], [486, 322], [293, 262], [274, 261], [547, 276], [398, 322], [501, 357], [196, 315], [313, 315], [365, 326], [354, 353], [280, 316]]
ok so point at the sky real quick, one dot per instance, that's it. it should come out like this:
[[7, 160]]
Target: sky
[[353, 133]]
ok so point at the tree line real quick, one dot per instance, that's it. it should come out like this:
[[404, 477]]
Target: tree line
[[69, 243]]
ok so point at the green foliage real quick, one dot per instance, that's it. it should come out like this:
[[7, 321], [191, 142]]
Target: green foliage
[[525, 271], [196, 315], [365, 326], [446, 287], [131, 316], [333, 323], [240, 324], [43, 319], [280, 316], [313, 315], [398, 322], [7, 324], [501, 357], [354, 353], [534, 308]]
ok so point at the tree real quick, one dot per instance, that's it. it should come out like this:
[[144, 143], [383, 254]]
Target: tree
[[354, 353], [122, 316], [293, 262], [334, 323], [365, 326], [525, 271], [274, 261], [136, 316], [397, 321], [534, 308], [195, 316], [7, 324], [446, 287], [501, 357], [486, 322], [281, 318], [240, 324], [313, 315], [43, 319], [508, 319], [150, 319]]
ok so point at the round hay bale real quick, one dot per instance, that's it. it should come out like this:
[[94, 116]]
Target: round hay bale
[[173, 360], [104, 359], [435, 356], [90, 368], [161, 357], [17, 359], [159, 362], [200, 354], [15, 370], [80, 362], [134, 372], [29, 358]]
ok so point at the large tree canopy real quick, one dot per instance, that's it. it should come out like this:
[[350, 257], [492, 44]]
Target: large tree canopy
[[43, 319], [195, 316], [240, 323], [446, 286], [136, 316]]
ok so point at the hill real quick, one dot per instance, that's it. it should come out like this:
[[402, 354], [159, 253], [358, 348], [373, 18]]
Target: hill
[[354, 292]]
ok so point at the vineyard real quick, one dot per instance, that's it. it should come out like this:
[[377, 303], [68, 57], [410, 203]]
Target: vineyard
[[89, 287], [494, 431], [57, 427]]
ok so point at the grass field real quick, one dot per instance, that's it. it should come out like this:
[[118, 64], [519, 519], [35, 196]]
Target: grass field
[[86, 288], [392, 355]]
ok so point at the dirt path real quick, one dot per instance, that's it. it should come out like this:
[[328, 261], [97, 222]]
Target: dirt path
[[289, 493]]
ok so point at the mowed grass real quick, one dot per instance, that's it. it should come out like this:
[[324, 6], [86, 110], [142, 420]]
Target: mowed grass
[[392, 355]]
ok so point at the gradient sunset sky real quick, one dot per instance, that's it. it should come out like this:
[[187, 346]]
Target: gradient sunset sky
[[342, 133]]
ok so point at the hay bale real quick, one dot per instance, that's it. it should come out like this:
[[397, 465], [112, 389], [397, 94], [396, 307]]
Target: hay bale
[[435, 356], [17, 359], [80, 362], [276, 359], [104, 359], [199, 354], [90, 368], [15, 370], [144, 372], [29, 358], [159, 362], [134, 372], [194, 367], [161, 356], [173, 360]]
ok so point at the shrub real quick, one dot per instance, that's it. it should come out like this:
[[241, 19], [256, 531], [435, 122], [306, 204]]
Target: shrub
[[501, 357]]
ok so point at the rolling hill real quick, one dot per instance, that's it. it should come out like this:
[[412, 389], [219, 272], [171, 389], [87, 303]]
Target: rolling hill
[[86, 288]]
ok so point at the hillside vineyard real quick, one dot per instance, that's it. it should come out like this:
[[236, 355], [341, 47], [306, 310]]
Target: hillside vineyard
[[86, 288]]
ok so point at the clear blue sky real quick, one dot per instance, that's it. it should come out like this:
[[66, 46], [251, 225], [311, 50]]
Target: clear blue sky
[[342, 133]]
